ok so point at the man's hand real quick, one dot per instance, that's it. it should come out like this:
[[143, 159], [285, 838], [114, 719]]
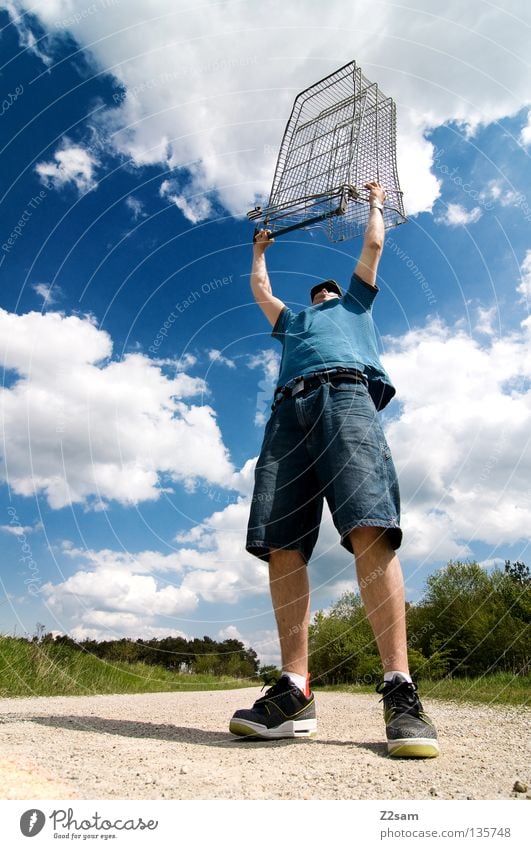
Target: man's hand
[[376, 192], [262, 241]]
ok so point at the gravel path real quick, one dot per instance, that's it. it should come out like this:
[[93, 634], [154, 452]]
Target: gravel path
[[177, 746]]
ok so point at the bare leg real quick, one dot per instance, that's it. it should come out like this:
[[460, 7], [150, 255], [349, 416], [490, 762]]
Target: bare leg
[[288, 581], [382, 591]]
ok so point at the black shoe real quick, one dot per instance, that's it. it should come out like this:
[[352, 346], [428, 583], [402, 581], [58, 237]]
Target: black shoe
[[410, 731], [284, 711]]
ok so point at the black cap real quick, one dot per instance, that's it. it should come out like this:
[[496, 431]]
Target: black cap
[[331, 285]]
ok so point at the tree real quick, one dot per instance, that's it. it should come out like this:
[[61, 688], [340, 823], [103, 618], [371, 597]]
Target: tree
[[477, 620], [269, 674], [469, 622], [342, 646], [518, 572]]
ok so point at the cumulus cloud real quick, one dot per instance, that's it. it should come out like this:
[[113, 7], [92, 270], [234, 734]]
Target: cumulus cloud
[[193, 96], [143, 563], [461, 444], [456, 215], [100, 626], [73, 429], [230, 633], [461, 440], [524, 287], [119, 593], [224, 571], [72, 164], [129, 592], [525, 136]]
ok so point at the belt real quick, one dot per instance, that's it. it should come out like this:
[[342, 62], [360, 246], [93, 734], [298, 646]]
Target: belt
[[305, 383]]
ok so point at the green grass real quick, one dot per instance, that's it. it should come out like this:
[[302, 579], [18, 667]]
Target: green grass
[[501, 688], [29, 669]]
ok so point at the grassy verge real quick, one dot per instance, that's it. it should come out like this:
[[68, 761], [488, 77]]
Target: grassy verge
[[29, 669], [502, 688]]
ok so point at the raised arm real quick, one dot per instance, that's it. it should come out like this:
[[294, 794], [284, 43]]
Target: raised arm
[[373, 240], [260, 283]]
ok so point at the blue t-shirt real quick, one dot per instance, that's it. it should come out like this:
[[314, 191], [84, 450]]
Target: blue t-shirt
[[338, 332]]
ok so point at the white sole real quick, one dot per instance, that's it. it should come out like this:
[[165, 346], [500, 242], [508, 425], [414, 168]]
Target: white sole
[[291, 728], [413, 747]]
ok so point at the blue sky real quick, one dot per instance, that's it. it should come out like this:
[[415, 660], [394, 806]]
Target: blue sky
[[132, 146]]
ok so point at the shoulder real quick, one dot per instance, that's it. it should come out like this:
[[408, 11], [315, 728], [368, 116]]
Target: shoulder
[[362, 291], [284, 319]]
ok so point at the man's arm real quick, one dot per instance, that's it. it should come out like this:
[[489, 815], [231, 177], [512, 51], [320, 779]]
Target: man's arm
[[373, 241], [260, 283]]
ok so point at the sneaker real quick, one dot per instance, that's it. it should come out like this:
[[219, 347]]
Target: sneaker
[[410, 731], [284, 711]]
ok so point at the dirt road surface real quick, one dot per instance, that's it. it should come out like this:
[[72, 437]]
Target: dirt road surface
[[177, 746]]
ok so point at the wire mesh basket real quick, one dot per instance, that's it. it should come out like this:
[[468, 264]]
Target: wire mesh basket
[[341, 134]]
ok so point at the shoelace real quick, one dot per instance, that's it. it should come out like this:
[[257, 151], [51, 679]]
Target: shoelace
[[402, 696], [277, 689]]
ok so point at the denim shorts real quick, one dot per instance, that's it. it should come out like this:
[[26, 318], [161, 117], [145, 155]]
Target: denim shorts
[[326, 443]]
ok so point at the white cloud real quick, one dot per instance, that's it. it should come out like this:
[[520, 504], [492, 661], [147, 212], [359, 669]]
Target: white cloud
[[500, 191], [338, 588], [136, 207], [133, 592], [266, 644], [49, 292], [17, 530], [142, 563], [196, 99], [461, 441], [524, 287], [486, 316], [492, 563], [224, 571], [230, 633], [269, 361], [456, 215], [25, 34], [74, 430], [525, 136], [216, 356], [101, 625], [190, 199], [119, 593], [73, 164], [186, 361]]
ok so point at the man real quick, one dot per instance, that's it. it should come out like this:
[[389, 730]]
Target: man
[[324, 440]]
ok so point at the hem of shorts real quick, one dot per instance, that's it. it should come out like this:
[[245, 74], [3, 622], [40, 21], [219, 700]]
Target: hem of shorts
[[260, 548], [395, 529]]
